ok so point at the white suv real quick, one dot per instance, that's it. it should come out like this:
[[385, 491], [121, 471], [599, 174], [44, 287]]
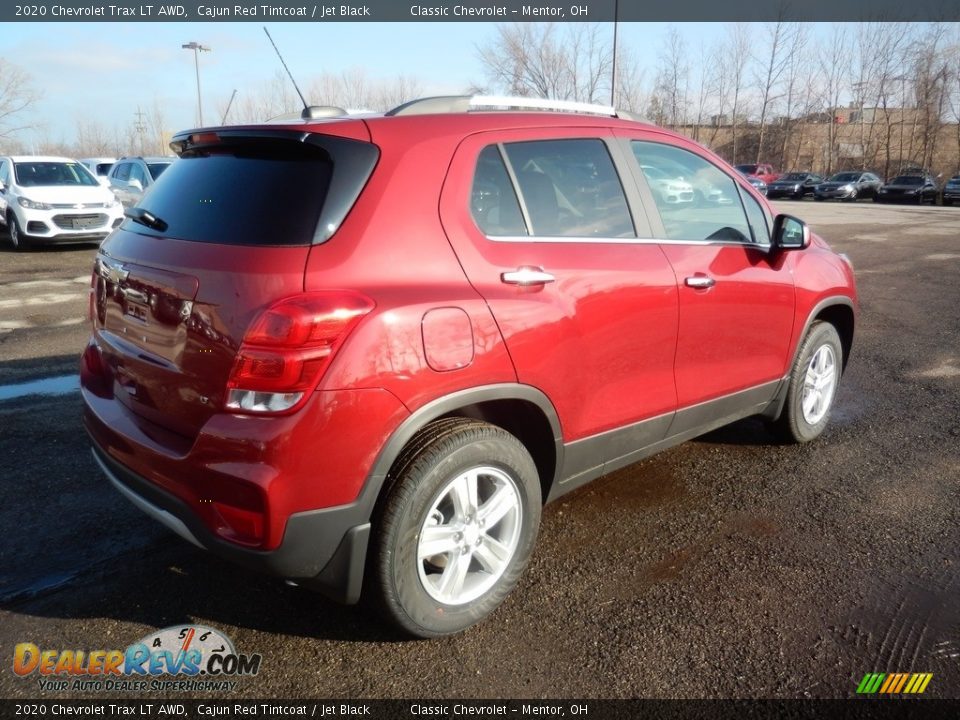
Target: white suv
[[54, 200]]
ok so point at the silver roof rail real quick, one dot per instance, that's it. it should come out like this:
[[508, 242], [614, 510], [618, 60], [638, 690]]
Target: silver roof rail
[[466, 103]]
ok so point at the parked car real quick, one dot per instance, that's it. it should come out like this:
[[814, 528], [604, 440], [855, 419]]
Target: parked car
[[759, 185], [795, 185], [131, 177], [951, 191], [908, 188], [848, 185], [764, 171], [99, 166], [54, 200], [446, 319], [669, 189]]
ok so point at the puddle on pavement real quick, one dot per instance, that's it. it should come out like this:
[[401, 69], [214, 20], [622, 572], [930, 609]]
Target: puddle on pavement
[[48, 386]]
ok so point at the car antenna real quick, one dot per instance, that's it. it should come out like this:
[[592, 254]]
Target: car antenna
[[309, 111]]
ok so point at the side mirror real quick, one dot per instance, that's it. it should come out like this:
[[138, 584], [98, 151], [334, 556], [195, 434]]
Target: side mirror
[[3, 188], [790, 233], [135, 184], [103, 180]]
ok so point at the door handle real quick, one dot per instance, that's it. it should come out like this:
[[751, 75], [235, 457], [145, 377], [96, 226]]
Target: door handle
[[700, 282], [526, 276]]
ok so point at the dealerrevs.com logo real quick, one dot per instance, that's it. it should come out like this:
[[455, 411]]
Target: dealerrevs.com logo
[[184, 658]]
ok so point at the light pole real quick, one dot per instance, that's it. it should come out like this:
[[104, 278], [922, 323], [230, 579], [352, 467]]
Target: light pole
[[197, 49]]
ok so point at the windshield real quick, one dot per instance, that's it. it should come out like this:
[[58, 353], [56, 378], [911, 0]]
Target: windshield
[[907, 180], [845, 177], [794, 176], [47, 173], [156, 169], [749, 169]]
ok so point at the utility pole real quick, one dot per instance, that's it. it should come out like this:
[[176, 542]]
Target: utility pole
[[139, 127]]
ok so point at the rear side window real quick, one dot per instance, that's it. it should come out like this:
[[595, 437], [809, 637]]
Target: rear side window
[[696, 200], [257, 194], [493, 203], [570, 188], [567, 188], [136, 173]]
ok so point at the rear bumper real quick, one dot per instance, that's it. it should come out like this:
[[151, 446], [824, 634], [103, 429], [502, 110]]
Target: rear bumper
[[306, 475], [324, 549]]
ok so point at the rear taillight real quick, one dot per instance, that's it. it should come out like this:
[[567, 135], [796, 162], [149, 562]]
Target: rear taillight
[[289, 347]]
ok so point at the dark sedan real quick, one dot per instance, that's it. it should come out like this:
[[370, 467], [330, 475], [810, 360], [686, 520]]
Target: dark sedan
[[951, 191], [910, 189], [848, 186], [794, 185]]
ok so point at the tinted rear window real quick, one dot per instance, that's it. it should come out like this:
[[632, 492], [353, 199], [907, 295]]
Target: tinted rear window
[[907, 180], [265, 194]]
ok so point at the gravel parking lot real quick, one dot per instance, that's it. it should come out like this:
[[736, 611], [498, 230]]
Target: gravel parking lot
[[727, 567]]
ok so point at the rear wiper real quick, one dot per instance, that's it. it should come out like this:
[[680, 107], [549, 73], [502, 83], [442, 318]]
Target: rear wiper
[[145, 217]]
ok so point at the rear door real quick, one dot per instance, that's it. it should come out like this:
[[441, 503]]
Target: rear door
[[540, 222], [736, 297]]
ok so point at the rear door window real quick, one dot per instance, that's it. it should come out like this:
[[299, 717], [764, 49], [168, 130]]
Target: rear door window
[[570, 188], [564, 188]]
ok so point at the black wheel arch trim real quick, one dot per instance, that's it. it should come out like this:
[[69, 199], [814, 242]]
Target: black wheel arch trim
[[450, 404], [776, 407]]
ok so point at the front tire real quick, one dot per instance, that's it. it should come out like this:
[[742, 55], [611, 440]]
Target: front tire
[[457, 528], [813, 385], [19, 241]]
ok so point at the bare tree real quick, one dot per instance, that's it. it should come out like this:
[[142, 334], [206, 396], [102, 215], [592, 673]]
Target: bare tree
[[930, 76], [739, 54], [795, 70], [93, 139], [17, 94], [775, 62], [834, 63], [353, 89], [571, 62], [673, 76]]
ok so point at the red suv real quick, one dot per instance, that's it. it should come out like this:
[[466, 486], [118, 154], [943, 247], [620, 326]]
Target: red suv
[[361, 353]]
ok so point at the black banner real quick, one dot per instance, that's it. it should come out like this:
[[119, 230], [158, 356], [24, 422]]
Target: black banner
[[485, 709], [480, 11]]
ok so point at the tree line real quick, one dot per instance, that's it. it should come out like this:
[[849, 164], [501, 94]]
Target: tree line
[[879, 95]]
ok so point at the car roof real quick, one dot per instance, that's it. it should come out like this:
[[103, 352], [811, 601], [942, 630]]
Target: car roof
[[149, 158], [40, 158]]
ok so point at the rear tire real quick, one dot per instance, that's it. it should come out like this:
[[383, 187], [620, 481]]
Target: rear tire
[[456, 530], [813, 385]]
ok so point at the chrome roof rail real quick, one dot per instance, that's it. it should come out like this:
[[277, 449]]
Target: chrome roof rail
[[466, 103]]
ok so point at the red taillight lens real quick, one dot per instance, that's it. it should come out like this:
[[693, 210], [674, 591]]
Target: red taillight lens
[[288, 348]]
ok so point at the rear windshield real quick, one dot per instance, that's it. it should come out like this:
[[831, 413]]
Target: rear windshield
[[264, 194], [749, 169]]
